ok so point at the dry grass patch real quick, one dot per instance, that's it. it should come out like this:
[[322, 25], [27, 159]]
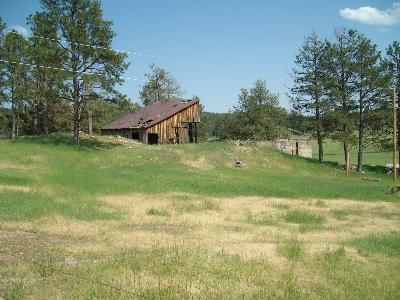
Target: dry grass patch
[[239, 231], [18, 188], [8, 165], [200, 163]]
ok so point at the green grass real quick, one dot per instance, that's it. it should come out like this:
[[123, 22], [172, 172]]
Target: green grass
[[98, 168], [157, 212], [339, 214], [304, 217], [94, 202], [262, 218], [291, 248], [387, 244], [333, 151], [320, 203], [18, 205]]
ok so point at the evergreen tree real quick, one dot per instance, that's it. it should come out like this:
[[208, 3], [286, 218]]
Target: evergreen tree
[[308, 89], [369, 89], [160, 86], [48, 81], [89, 60], [15, 77], [393, 61], [393, 66], [341, 84]]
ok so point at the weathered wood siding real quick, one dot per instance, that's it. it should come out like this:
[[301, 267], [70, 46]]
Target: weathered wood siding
[[166, 128]]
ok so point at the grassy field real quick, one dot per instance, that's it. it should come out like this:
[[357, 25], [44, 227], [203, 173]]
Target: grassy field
[[114, 219], [333, 151]]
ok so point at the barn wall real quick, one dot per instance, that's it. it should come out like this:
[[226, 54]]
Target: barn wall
[[166, 130]]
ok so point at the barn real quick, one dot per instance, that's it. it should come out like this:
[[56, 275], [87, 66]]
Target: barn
[[173, 122]]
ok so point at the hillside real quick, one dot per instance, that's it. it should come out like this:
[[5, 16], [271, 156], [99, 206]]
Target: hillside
[[182, 221]]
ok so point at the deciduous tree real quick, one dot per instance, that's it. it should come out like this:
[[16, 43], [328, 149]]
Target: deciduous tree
[[258, 115]]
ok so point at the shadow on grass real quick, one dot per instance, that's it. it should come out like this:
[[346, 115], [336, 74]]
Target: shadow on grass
[[85, 142], [333, 164]]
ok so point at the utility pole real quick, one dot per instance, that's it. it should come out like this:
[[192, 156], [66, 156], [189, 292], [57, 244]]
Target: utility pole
[[394, 169]]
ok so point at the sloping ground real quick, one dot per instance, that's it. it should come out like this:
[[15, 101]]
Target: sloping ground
[[116, 219]]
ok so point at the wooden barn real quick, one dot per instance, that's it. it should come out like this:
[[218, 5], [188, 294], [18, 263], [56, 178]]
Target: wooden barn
[[174, 122]]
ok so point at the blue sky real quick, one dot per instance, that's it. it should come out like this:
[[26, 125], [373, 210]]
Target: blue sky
[[215, 48]]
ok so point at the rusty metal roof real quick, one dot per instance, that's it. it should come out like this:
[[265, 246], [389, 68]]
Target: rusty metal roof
[[151, 114]]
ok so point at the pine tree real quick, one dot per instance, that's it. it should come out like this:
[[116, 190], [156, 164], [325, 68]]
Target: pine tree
[[393, 65], [308, 89], [369, 88], [47, 57], [90, 61], [15, 77], [341, 84]]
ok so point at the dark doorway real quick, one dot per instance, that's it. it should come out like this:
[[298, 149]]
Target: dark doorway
[[297, 148], [177, 135], [135, 135], [190, 132], [152, 138]]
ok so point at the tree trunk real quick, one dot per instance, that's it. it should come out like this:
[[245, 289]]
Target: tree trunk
[[319, 136], [14, 124], [46, 109], [398, 121], [346, 149], [360, 147], [46, 118], [90, 122], [360, 135], [17, 125], [36, 112], [320, 150], [77, 115], [346, 157], [14, 121], [75, 138]]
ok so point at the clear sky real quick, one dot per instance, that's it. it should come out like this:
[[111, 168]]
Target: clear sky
[[215, 48]]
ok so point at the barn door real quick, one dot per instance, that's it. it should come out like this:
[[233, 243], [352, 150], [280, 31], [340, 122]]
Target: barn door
[[190, 132], [152, 138]]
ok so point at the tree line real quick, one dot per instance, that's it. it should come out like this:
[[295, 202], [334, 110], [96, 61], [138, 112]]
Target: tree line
[[61, 74], [346, 85], [342, 89]]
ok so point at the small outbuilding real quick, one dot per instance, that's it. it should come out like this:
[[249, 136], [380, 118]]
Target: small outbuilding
[[173, 122], [295, 145]]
